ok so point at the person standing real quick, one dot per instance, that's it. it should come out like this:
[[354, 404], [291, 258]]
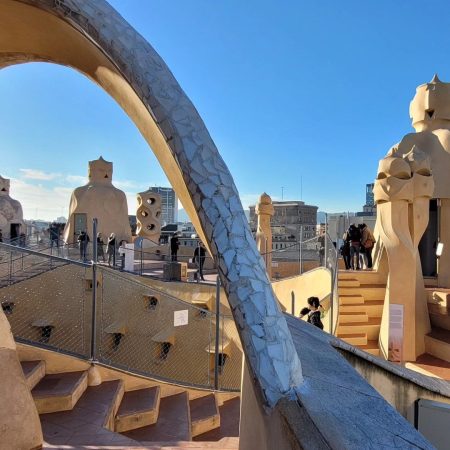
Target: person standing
[[367, 242], [83, 241], [111, 250], [354, 239], [100, 250], [199, 259], [345, 251], [174, 245]]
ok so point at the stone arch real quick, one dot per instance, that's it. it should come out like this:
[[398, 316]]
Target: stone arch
[[92, 38]]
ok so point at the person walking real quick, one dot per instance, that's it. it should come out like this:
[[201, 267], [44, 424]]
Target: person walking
[[111, 250], [100, 250], [174, 246], [199, 259], [83, 241], [367, 242], [354, 239]]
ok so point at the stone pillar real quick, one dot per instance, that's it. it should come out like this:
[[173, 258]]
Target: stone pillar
[[20, 424], [148, 215], [264, 210], [402, 191]]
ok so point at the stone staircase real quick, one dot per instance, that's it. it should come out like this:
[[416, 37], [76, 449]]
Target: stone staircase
[[75, 413], [361, 298], [435, 361]]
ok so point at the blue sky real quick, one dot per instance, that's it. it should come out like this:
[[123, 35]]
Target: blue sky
[[289, 90]]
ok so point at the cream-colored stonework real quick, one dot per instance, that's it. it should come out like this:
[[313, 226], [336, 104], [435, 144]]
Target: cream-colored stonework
[[402, 192], [99, 199], [11, 215], [264, 210], [148, 215]]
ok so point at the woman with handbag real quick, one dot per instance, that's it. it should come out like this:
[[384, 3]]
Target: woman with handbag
[[367, 241]]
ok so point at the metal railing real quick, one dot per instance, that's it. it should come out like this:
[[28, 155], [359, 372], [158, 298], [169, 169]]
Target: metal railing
[[95, 313]]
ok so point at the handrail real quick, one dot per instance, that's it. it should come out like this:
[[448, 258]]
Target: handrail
[[81, 332]]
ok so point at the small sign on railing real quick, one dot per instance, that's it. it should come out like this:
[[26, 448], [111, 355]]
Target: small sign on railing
[[180, 318]]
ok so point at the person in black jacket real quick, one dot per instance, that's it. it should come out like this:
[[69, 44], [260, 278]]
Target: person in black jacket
[[313, 312], [199, 259], [174, 245]]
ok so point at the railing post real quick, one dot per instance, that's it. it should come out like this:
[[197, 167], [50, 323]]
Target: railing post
[[10, 267], [326, 241], [300, 251], [93, 354], [292, 303], [216, 353]]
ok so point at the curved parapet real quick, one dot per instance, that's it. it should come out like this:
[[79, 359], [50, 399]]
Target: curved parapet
[[90, 36]]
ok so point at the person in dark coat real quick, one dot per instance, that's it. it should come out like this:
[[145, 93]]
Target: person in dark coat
[[174, 245], [83, 241], [313, 311], [199, 259], [354, 239]]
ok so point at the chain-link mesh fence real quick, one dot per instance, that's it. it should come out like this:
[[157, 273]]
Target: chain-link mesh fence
[[47, 301], [151, 332]]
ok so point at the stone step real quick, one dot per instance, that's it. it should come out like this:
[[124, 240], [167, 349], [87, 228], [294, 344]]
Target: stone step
[[371, 347], [138, 409], [437, 343], [34, 371], [356, 339], [373, 308], [363, 276], [350, 299], [229, 423], [431, 366], [227, 443], [352, 317], [348, 283], [368, 291], [173, 422], [204, 414], [89, 423], [59, 392], [439, 316], [438, 296], [371, 328]]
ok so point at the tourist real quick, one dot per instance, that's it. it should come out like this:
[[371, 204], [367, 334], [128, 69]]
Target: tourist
[[100, 244], [321, 242], [174, 245], [122, 253], [199, 259], [111, 250], [367, 243], [345, 251], [354, 240], [313, 312], [83, 241], [54, 236]]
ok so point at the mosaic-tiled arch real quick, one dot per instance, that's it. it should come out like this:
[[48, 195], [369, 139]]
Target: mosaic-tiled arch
[[91, 37]]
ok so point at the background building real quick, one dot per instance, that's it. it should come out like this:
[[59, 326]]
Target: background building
[[369, 209], [169, 204], [290, 218]]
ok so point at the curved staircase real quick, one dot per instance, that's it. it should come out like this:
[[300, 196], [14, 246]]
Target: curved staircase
[[78, 414], [361, 298]]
